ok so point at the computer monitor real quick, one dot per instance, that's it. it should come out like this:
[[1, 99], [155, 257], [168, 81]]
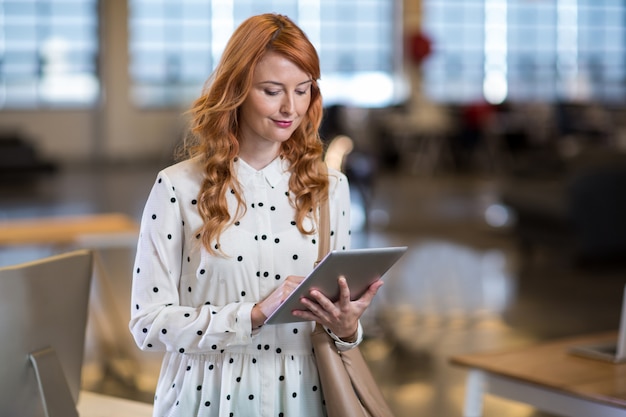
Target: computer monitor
[[43, 316], [612, 351]]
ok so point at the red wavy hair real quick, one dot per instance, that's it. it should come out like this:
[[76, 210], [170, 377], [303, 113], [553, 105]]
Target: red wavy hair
[[215, 125]]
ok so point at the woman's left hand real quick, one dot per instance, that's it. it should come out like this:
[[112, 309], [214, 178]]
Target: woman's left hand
[[342, 316]]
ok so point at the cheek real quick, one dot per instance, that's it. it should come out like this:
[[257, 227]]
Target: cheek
[[259, 105], [266, 105], [303, 105]]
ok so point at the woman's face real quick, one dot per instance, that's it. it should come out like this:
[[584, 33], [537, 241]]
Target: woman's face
[[275, 105]]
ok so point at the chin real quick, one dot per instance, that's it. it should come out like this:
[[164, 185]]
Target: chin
[[283, 137]]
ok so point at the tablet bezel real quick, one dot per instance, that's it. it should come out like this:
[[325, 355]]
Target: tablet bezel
[[361, 267]]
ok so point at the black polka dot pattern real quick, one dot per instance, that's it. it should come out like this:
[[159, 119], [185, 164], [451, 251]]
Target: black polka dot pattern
[[198, 298]]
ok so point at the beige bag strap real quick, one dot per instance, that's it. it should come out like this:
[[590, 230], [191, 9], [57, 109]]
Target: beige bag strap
[[324, 230]]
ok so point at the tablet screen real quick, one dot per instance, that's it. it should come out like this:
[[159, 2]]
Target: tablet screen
[[360, 267]]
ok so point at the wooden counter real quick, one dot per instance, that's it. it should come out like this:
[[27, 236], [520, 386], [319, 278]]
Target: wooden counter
[[548, 377]]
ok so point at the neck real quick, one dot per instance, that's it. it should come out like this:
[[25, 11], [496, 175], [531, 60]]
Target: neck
[[259, 158]]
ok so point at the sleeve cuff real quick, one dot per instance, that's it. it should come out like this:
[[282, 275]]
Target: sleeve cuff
[[244, 323], [341, 345]]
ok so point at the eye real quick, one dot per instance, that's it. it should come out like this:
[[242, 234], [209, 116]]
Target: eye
[[302, 92], [272, 92]]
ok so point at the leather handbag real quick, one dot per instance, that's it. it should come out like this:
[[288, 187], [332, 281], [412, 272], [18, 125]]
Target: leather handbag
[[348, 386]]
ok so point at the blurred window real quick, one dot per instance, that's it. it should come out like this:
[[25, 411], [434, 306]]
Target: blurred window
[[549, 50], [176, 44], [48, 53]]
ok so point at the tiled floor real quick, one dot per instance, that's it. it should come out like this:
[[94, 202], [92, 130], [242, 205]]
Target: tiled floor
[[462, 287]]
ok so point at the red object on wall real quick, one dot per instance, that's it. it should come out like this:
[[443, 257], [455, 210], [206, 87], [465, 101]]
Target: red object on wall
[[418, 47]]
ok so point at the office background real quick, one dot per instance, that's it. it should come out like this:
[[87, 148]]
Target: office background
[[489, 136]]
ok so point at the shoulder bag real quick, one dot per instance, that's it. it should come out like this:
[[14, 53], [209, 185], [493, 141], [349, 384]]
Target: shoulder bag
[[348, 386]]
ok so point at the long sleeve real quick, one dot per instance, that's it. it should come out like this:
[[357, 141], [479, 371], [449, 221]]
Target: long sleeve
[[159, 321]]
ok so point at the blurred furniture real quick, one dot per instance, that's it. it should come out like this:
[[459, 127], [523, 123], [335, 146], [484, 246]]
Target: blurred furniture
[[99, 229], [43, 317], [110, 338], [19, 160], [581, 211], [346, 133], [96, 405], [420, 135], [549, 378]]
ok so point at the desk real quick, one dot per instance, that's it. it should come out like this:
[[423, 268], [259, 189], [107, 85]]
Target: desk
[[67, 230], [549, 378], [97, 405]]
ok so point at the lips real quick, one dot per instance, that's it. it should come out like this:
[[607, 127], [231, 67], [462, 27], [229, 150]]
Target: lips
[[283, 123]]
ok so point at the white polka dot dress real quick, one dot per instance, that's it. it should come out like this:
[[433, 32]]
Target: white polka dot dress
[[196, 307]]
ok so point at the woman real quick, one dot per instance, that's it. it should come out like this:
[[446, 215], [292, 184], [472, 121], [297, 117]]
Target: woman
[[227, 234]]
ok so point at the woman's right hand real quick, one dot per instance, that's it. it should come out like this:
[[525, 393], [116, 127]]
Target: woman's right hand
[[264, 308]]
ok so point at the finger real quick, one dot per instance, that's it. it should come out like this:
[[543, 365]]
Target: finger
[[371, 291], [307, 315], [294, 279], [344, 291], [313, 310], [318, 300], [290, 286]]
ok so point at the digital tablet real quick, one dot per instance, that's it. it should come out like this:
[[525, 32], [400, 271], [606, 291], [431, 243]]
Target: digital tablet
[[361, 267]]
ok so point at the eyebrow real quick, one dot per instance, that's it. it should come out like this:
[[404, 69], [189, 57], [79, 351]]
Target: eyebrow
[[282, 85]]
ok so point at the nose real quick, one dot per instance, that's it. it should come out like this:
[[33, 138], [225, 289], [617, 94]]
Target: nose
[[287, 105]]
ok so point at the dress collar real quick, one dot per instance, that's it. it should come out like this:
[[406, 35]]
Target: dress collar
[[272, 173]]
